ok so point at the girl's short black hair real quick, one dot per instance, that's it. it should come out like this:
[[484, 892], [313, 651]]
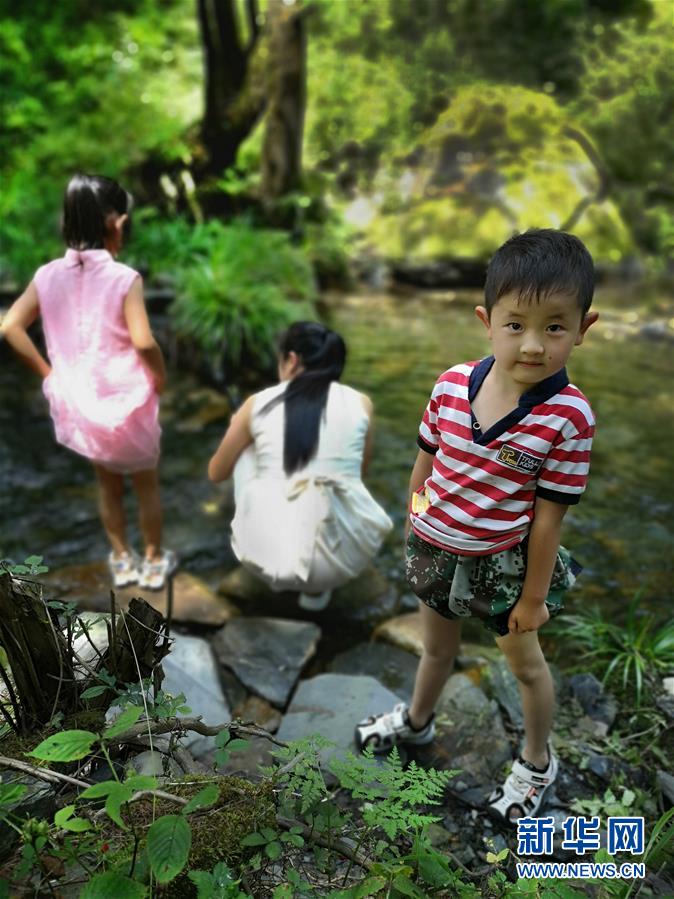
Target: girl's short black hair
[[88, 201], [322, 353], [537, 263]]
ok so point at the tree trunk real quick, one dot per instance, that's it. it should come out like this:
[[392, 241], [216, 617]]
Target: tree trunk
[[286, 101], [42, 678], [232, 102]]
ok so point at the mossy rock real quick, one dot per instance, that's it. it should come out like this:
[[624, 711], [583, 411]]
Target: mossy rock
[[217, 832], [498, 160]]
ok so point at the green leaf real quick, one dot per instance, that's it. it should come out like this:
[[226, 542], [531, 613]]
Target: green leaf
[[237, 745], [141, 782], [126, 720], [369, 887], [221, 756], [63, 818], [90, 692], [113, 885], [10, 793], [97, 791], [205, 797], [404, 885], [67, 746], [120, 794], [253, 839], [273, 850], [628, 798], [223, 738], [168, 846]]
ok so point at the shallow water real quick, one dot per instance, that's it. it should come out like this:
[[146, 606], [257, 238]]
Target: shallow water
[[620, 531], [397, 347]]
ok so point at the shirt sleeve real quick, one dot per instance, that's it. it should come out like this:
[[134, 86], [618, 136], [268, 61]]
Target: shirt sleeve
[[563, 475], [429, 436]]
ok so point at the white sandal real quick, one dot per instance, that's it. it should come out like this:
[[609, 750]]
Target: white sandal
[[523, 790], [383, 732]]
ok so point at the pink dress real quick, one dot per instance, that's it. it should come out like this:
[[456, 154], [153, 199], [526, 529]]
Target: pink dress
[[101, 396]]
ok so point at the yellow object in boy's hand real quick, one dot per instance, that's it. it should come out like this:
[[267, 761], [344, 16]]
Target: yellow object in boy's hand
[[420, 502]]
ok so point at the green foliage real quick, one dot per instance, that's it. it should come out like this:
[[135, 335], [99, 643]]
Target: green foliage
[[218, 884], [624, 101], [32, 566], [66, 746], [628, 653], [392, 793], [235, 300], [113, 885], [168, 846], [118, 794], [94, 90], [226, 745]]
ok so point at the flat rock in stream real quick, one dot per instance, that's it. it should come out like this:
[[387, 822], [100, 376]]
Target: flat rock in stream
[[470, 737], [190, 668], [331, 705], [392, 667], [267, 654], [597, 704], [194, 602], [403, 631]]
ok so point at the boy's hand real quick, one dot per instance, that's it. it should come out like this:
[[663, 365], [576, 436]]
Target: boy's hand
[[527, 616]]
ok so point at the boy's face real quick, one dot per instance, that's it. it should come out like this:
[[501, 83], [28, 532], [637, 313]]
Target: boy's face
[[531, 339]]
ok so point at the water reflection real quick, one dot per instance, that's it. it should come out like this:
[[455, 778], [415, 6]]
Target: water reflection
[[620, 529]]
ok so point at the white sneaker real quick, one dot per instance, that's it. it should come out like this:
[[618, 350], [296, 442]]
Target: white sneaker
[[521, 796], [124, 569], [154, 572], [315, 602], [383, 732]]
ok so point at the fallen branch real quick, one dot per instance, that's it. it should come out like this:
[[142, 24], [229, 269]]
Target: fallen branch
[[197, 725], [339, 845], [42, 773]]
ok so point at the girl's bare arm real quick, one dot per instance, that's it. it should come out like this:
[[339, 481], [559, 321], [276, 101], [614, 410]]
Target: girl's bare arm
[[236, 439], [15, 326], [141, 334]]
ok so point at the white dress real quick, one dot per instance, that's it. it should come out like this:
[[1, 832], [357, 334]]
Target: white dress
[[320, 527]]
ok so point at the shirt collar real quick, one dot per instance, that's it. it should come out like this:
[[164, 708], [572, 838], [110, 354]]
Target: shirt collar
[[539, 393], [82, 257]]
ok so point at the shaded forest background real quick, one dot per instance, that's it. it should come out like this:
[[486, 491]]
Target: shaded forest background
[[271, 144]]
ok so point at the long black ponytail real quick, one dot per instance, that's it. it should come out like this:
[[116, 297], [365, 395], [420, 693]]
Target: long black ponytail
[[322, 353]]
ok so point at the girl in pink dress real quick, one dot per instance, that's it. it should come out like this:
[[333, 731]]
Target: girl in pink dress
[[105, 368]]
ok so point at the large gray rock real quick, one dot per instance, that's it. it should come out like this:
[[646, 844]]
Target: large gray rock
[[502, 685], [267, 654], [597, 705], [470, 738], [331, 705], [191, 669], [39, 801], [393, 667]]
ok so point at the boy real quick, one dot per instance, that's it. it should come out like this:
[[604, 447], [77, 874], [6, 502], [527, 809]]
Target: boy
[[504, 448]]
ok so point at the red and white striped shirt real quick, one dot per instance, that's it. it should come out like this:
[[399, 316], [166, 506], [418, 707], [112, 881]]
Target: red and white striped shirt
[[480, 495]]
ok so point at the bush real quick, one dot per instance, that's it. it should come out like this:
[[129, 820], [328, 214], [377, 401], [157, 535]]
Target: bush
[[240, 287]]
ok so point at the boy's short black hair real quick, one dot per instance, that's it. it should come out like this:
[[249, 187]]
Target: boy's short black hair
[[539, 262]]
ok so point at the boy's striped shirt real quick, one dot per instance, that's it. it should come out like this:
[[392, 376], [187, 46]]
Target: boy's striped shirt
[[480, 495]]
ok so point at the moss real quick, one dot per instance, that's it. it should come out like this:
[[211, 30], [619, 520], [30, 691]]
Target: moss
[[242, 808], [500, 159], [17, 746]]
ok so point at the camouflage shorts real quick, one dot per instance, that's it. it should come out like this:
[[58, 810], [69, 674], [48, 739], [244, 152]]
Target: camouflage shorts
[[485, 587]]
